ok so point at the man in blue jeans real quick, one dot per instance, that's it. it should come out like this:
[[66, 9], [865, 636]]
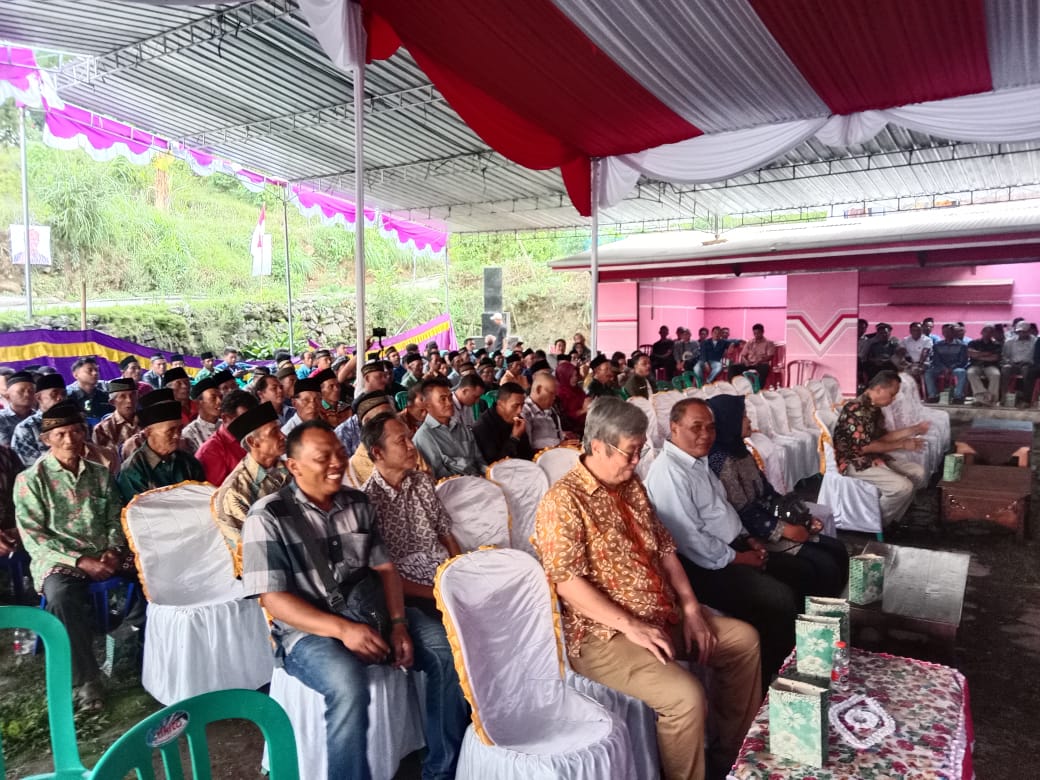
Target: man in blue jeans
[[949, 357], [316, 531]]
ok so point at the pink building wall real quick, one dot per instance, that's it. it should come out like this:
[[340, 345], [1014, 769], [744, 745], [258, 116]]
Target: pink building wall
[[739, 303], [618, 309], [978, 295], [822, 310], [669, 302]]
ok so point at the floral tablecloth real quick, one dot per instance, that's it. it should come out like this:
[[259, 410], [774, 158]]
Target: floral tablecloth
[[933, 731]]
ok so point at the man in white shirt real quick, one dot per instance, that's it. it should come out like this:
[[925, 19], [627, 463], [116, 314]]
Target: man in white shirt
[[727, 568], [917, 344], [1017, 358]]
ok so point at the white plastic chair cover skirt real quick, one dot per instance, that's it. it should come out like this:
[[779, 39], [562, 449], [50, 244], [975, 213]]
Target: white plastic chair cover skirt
[[527, 723], [856, 504], [394, 721], [478, 509], [523, 484], [640, 720], [556, 461], [201, 635]]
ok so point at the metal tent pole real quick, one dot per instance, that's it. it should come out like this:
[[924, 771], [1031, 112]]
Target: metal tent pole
[[25, 217], [594, 265], [288, 271], [359, 197], [447, 283]]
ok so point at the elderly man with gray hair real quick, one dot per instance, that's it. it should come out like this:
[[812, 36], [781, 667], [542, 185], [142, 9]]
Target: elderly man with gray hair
[[629, 613]]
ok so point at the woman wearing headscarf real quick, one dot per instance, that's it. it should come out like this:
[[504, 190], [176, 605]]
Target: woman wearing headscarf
[[819, 565], [572, 400]]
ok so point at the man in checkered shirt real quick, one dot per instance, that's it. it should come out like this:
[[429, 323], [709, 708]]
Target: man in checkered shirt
[[328, 652]]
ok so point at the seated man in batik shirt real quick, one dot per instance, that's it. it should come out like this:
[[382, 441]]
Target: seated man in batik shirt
[[413, 523]]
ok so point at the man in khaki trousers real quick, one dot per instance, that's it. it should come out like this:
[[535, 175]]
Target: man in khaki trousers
[[629, 613]]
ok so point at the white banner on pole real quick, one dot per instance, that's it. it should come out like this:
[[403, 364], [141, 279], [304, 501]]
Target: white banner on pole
[[262, 258], [39, 244]]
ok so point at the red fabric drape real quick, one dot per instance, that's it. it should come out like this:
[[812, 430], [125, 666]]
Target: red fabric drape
[[883, 53], [529, 83]]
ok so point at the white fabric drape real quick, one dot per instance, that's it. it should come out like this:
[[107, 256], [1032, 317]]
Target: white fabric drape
[[339, 29], [713, 62]]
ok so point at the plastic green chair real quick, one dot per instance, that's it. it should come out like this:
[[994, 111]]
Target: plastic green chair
[[162, 730], [663, 386], [680, 382], [67, 764], [401, 399], [694, 378]]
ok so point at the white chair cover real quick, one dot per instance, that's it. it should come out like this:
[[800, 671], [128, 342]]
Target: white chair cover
[[833, 389], [478, 509], [395, 721], [693, 392], [557, 461], [802, 455], [796, 417], [523, 484], [856, 504], [527, 723], [723, 387], [773, 455], [647, 407], [663, 403], [825, 411], [201, 635], [742, 385], [640, 720], [808, 405]]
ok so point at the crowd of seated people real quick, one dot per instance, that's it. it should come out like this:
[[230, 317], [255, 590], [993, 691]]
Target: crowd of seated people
[[999, 359], [347, 448]]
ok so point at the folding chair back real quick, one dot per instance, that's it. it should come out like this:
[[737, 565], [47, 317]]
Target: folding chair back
[[163, 730]]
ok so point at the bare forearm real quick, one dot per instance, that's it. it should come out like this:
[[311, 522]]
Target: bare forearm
[[451, 544], [582, 596], [392, 589], [679, 581], [294, 611]]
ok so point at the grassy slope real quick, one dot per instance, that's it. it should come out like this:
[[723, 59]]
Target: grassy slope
[[107, 231]]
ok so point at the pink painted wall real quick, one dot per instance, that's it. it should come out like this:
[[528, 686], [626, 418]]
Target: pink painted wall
[[673, 303], [734, 303], [821, 323], [739, 303], [618, 308], [974, 306]]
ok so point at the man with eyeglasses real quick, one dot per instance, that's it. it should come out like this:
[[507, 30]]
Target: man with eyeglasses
[[629, 612], [728, 568]]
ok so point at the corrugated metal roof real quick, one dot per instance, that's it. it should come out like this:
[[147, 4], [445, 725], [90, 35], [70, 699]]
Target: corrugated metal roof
[[204, 72]]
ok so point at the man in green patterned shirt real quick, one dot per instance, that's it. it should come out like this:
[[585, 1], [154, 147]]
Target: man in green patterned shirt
[[68, 512]]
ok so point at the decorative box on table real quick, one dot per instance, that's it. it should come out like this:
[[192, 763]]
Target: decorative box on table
[[839, 608], [866, 578], [798, 721], [815, 636]]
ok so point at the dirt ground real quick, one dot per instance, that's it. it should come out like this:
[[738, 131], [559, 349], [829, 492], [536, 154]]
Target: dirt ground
[[998, 650]]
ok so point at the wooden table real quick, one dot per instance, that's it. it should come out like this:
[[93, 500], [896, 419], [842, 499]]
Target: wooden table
[[995, 494], [924, 593], [932, 738], [995, 442]]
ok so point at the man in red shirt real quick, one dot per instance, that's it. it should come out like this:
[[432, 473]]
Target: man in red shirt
[[221, 452]]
